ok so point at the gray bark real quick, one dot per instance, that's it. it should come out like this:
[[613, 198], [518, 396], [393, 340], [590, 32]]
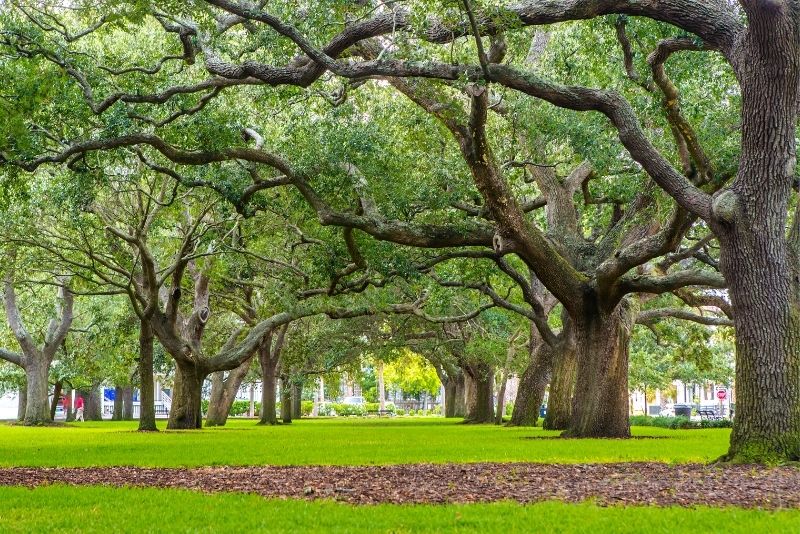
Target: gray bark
[[127, 403], [223, 393], [23, 402], [186, 412], [600, 403], [147, 402]]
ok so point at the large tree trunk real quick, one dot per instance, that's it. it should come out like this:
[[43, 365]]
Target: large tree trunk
[[452, 379], [449, 397], [501, 400], [297, 400], [532, 385], [186, 412], [759, 264], [600, 403], [562, 385], [147, 401], [223, 394], [480, 408], [93, 403], [118, 404], [767, 422], [381, 386], [286, 400], [470, 395], [269, 380], [37, 408], [22, 403], [218, 405], [127, 403], [460, 397], [454, 395], [56, 397]]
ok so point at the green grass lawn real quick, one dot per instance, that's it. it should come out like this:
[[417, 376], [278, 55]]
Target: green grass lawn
[[92, 509], [340, 441]]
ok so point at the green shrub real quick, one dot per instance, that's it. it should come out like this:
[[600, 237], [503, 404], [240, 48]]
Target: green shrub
[[400, 411], [509, 409], [680, 422], [326, 409], [376, 406], [306, 407], [239, 407], [719, 423], [345, 410]]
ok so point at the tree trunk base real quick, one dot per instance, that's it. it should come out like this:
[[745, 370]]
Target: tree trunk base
[[186, 413], [766, 451], [600, 403], [531, 387]]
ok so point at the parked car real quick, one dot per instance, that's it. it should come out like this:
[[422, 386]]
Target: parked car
[[357, 401]]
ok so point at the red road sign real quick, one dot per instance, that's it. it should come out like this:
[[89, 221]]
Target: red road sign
[[722, 394]]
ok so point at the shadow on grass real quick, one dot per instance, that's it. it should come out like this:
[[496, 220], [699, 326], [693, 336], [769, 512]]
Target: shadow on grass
[[559, 438]]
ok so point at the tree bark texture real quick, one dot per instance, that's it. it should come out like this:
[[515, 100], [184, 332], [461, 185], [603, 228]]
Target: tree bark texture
[[481, 406], [269, 381], [223, 393], [562, 385], [127, 403], [757, 260], [381, 386], [186, 412], [118, 404], [532, 385], [93, 403], [600, 403], [56, 397], [460, 397], [449, 400], [454, 395], [37, 407], [147, 402], [22, 402], [69, 411], [268, 360], [286, 400], [297, 398]]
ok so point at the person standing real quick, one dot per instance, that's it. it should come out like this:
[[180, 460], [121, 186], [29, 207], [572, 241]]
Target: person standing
[[65, 403], [79, 408]]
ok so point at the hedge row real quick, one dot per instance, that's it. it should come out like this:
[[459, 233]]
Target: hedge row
[[681, 422]]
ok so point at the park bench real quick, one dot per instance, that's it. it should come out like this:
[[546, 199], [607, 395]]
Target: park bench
[[711, 415]]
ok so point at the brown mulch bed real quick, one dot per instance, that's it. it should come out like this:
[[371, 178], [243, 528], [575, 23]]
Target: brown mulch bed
[[622, 483]]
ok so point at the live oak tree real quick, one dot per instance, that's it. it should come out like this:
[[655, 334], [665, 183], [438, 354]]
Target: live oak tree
[[749, 214], [35, 356]]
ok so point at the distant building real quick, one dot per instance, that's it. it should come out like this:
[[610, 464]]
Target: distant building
[[9, 405]]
